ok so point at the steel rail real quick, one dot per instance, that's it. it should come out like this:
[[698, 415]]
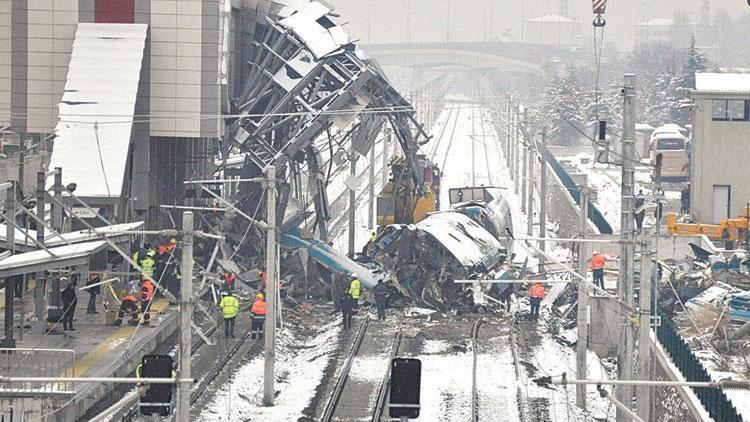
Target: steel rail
[[474, 392], [333, 401], [385, 382]]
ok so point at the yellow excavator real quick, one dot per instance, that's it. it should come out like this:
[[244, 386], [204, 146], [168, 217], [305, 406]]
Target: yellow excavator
[[400, 201]]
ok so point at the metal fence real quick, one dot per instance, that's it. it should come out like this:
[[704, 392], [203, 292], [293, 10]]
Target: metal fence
[[574, 190], [713, 399], [37, 363]]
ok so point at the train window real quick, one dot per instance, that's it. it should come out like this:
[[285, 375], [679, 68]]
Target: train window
[[737, 110], [719, 110]]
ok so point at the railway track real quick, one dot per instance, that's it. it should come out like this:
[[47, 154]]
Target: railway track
[[520, 397], [352, 399], [474, 391]]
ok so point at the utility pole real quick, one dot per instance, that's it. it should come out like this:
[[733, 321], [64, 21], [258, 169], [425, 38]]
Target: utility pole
[[508, 158], [10, 219], [186, 314], [39, 289], [271, 283], [524, 162], [583, 302], [371, 189], [516, 147], [386, 143], [626, 347], [352, 199], [543, 193], [643, 396], [531, 176]]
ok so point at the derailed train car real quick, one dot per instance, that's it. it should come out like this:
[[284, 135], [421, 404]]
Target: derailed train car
[[470, 241]]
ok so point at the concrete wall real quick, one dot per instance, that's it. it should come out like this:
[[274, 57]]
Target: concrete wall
[[5, 44], [720, 151]]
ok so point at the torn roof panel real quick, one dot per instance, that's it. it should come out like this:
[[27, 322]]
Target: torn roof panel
[[41, 260], [97, 108], [295, 70], [468, 242], [312, 25]]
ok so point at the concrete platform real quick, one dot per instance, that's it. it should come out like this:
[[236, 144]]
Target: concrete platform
[[100, 351]]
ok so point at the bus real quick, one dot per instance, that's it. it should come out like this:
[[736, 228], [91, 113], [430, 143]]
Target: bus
[[672, 143]]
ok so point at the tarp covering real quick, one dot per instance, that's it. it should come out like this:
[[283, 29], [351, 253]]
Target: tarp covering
[[96, 112]]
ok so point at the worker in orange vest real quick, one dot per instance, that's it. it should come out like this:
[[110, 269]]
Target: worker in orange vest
[[536, 294], [598, 261], [258, 312], [147, 296], [128, 305]]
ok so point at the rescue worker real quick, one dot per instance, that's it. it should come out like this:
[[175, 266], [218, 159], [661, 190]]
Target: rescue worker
[[355, 290], [146, 259], [147, 295], [229, 279], [93, 291], [640, 211], [128, 305], [346, 304], [258, 312], [536, 294], [373, 236], [69, 302], [230, 306], [381, 295], [598, 261], [166, 261]]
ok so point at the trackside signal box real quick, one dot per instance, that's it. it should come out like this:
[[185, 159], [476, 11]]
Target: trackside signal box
[[158, 398], [406, 381]]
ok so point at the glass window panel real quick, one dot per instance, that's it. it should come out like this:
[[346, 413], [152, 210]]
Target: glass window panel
[[737, 109], [719, 110]]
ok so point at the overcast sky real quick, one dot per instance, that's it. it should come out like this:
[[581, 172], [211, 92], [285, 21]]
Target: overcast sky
[[471, 20]]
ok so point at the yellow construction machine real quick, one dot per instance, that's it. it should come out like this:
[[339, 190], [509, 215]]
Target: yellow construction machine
[[400, 201], [728, 229]]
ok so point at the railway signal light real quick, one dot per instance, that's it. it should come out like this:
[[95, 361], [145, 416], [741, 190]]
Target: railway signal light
[[158, 398], [406, 379]]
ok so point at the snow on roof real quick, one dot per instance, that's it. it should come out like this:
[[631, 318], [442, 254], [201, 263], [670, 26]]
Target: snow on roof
[[310, 22], [97, 107], [553, 19], [723, 82], [19, 263], [462, 237], [657, 22]]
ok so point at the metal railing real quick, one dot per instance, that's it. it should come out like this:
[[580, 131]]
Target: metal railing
[[714, 400], [574, 190], [20, 362]]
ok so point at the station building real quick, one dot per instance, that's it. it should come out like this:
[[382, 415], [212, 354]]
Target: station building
[[187, 59], [720, 145]]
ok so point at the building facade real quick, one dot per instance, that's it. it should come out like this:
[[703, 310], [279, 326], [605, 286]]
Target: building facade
[[192, 68], [720, 145]]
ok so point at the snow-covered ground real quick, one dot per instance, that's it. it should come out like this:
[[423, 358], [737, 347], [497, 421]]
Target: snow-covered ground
[[300, 363]]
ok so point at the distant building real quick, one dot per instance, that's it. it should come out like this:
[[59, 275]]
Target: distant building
[[553, 30], [721, 145], [677, 32], [192, 63]]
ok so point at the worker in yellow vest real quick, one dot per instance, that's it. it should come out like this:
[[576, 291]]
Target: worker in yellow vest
[[355, 289], [230, 306]]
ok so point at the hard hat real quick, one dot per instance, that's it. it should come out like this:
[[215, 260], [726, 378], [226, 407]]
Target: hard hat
[[353, 275], [173, 240], [260, 296], [123, 293], [596, 252], [224, 293]]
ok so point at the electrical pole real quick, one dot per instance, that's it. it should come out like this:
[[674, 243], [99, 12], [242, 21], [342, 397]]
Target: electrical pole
[[39, 288], [524, 162], [186, 313], [10, 227], [371, 189], [508, 158], [516, 147], [531, 176], [583, 302], [386, 143], [626, 347], [643, 395], [352, 199], [271, 283], [543, 194]]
